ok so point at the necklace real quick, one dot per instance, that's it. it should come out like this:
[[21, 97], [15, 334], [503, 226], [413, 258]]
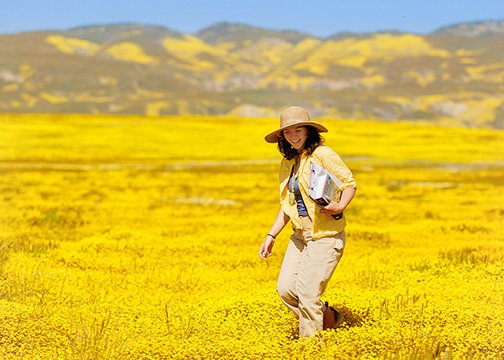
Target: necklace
[[292, 196]]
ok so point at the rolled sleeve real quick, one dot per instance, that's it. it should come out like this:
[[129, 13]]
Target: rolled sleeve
[[332, 162]]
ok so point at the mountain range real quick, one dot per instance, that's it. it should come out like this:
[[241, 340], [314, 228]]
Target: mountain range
[[453, 76]]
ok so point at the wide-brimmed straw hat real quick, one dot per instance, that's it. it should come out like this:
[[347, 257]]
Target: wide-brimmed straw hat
[[295, 115]]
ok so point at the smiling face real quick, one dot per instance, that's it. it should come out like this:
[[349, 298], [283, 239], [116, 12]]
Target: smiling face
[[296, 136]]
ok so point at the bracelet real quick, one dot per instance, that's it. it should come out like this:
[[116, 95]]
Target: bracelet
[[274, 237]]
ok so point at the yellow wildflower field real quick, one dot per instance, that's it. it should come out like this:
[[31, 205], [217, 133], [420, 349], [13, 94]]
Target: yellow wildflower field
[[129, 237]]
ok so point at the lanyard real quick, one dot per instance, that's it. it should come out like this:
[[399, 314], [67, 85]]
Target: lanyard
[[292, 196]]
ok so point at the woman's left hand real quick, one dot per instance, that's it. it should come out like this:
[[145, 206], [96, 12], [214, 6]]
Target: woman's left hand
[[332, 208]]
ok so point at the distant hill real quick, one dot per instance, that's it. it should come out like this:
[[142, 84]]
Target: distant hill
[[346, 35], [225, 32], [454, 76], [475, 29], [101, 34]]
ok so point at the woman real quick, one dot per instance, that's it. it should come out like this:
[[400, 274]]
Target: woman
[[317, 243]]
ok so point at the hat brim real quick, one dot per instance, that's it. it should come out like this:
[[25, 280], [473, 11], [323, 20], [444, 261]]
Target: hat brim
[[274, 136]]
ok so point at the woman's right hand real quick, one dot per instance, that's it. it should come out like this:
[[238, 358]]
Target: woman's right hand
[[266, 247], [281, 220]]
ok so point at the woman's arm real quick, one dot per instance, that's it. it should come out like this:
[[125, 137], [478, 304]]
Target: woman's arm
[[338, 207], [281, 220]]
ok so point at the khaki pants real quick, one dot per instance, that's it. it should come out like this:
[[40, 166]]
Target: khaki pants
[[306, 269]]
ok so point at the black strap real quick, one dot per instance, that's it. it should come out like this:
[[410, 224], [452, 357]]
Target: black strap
[[337, 216]]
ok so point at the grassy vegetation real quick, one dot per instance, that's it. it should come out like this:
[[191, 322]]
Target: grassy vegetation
[[137, 238]]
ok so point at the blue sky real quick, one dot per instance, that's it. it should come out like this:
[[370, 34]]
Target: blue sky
[[316, 17]]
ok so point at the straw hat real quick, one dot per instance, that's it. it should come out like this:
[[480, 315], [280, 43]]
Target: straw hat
[[295, 115]]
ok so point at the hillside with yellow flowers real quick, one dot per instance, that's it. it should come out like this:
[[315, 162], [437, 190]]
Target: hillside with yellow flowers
[[454, 76], [135, 237]]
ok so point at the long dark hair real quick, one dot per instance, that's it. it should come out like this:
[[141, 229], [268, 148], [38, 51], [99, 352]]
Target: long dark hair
[[313, 140]]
